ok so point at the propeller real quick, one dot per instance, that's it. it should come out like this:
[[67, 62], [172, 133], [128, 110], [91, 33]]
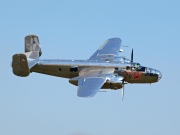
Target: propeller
[[123, 83], [123, 92], [132, 56]]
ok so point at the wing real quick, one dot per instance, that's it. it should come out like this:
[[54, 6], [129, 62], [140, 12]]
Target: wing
[[108, 50], [88, 87], [90, 80]]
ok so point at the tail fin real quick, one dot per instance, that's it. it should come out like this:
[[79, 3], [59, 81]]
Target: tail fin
[[22, 63], [32, 47]]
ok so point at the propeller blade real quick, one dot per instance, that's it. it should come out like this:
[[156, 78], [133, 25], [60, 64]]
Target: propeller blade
[[132, 56], [123, 93]]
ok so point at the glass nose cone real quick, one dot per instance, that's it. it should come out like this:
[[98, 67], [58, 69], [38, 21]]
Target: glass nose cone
[[159, 75]]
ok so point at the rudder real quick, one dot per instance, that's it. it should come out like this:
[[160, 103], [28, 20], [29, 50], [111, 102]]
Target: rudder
[[32, 47], [20, 65]]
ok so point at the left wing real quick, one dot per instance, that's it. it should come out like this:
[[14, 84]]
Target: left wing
[[108, 50], [89, 86], [90, 80]]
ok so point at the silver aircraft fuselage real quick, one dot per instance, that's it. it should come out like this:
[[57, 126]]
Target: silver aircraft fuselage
[[105, 69], [64, 68], [71, 68]]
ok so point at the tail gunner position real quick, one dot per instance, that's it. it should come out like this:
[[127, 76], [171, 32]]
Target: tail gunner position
[[105, 69]]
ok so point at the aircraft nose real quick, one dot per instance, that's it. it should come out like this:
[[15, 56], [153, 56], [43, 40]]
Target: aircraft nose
[[159, 75]]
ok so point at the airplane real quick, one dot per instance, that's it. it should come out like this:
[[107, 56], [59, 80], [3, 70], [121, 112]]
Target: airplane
[[105, 69]]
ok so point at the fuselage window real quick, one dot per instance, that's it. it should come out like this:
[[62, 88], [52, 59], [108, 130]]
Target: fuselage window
[[73, 69], [116, 68], [147, 71], [153, 72]]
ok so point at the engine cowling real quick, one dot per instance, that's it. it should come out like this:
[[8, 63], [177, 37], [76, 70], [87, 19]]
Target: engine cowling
[[113, 83]]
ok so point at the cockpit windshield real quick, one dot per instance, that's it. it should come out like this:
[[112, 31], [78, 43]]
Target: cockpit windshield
[[136, 67], [141, 68]]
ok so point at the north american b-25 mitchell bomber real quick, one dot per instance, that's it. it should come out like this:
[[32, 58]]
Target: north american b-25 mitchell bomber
[[105, 69]]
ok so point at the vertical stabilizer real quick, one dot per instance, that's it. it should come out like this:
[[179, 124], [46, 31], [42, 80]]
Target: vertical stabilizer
[[32, 47], [20, 65]]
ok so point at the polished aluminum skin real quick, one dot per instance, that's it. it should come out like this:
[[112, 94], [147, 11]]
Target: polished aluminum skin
[[105, 69]]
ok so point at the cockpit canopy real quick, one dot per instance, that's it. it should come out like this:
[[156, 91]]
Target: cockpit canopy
[[150, 71]]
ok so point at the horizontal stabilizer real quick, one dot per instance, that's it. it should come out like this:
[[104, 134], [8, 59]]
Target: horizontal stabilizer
[[20, 65]]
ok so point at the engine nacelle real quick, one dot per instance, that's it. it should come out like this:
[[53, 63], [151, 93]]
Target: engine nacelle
[[113, 83], [116, 79]]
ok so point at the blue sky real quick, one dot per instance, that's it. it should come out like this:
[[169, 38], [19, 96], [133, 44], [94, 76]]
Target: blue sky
[[47, 105]]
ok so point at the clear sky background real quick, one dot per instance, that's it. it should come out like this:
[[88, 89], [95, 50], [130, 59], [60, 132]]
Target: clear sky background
[[47, 105]]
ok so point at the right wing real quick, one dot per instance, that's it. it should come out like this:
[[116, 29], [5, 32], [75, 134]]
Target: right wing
[[108, 50]]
